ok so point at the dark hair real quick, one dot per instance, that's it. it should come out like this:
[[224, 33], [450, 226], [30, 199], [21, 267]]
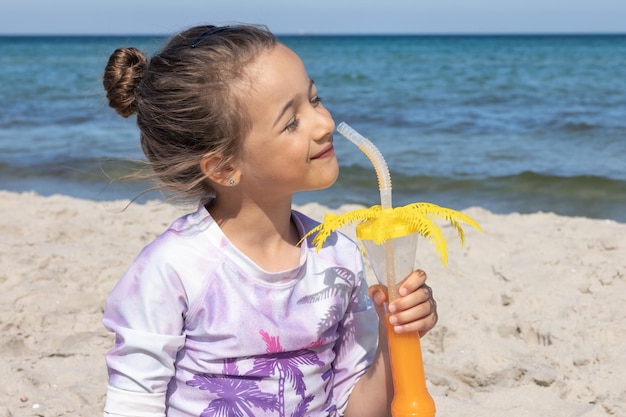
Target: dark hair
[[188, 99]]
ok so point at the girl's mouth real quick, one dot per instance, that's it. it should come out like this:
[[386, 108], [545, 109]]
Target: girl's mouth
[[328, 151]]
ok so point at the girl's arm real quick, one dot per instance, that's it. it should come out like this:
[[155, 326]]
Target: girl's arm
[[415, 310], [145, 311]]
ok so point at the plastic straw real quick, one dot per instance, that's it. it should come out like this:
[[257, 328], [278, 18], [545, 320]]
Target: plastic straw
[[374, 155]]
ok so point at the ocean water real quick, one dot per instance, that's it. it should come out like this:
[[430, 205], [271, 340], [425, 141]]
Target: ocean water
[[509, 123]]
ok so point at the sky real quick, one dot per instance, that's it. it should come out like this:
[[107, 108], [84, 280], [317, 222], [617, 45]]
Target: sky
[[129, 17]]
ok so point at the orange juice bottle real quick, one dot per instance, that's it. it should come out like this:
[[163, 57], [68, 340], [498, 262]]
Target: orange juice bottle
[[392, 262], [411, 397]]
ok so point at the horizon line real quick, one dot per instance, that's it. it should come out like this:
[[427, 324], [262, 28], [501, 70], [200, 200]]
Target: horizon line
[[321, 34]]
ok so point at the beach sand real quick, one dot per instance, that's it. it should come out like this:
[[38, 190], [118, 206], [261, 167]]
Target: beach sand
[[532, 311]]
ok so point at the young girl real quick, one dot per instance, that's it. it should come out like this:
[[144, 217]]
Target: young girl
[[228, 313]]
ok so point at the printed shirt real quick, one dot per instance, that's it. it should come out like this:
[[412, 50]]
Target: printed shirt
[[201, 330]]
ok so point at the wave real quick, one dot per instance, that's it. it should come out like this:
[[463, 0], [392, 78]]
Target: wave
[[525, 192], [528, 181]]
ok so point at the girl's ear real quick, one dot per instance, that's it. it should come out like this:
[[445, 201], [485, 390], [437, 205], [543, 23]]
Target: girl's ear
[[219, 171]]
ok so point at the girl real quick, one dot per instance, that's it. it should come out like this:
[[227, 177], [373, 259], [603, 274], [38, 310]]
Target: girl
[[228, 313]]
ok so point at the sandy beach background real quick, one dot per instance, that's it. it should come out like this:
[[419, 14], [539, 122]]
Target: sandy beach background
[[532, 315]]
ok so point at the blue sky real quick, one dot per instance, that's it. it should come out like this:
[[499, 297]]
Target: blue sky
[[312, 17]]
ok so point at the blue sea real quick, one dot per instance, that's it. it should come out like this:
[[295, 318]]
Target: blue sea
[[509, 123]]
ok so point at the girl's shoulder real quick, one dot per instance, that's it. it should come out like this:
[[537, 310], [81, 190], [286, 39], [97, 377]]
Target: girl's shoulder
[[185, 236], [336, 240], [307, 222]]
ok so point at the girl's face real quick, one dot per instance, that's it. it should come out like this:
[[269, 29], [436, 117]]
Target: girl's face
[[290, 145]]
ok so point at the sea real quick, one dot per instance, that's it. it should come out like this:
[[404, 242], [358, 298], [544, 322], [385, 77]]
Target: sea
[[511, 123]]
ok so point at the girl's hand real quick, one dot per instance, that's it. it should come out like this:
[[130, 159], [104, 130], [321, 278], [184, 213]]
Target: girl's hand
[[414, 311]]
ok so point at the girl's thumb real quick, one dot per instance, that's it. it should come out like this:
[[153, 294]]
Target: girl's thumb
[[378, 294]]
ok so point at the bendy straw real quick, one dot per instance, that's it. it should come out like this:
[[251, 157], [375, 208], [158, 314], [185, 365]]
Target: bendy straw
[[374, 155]]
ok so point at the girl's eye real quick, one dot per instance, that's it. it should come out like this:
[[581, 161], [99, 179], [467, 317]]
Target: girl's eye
[[295, 122], [293, 125]]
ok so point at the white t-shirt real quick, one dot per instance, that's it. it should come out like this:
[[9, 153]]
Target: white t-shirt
[[201, 330]]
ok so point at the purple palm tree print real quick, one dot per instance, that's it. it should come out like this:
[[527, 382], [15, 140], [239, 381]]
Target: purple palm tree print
[[287, 365], [339, 282], [237, 396]]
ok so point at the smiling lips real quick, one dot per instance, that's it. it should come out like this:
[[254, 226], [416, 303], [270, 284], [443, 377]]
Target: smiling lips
[[328, 151]]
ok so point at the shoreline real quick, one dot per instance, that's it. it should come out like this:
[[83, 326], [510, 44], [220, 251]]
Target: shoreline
[[526, 193], [532, 308]]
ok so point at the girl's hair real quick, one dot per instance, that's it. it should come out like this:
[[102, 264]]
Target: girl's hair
[[189, 99]]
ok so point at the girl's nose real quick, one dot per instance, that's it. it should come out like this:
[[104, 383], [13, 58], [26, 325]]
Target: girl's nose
[[325, 125]]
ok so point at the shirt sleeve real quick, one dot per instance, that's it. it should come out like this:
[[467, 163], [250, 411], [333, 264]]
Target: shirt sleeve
[[357, 346], [146, 312], [119, 403]]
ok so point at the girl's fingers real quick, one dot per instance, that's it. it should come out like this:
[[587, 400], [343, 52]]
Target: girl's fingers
[[413, 291], [420, 318], [413, 307], [414, 311], [412, 282]]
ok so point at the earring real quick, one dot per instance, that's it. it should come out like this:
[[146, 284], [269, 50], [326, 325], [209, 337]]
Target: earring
[[232, 182]]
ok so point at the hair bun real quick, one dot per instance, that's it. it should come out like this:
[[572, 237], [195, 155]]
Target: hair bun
[[122, 74]]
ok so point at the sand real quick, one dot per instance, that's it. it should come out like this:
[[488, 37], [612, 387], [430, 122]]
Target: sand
[[532, 311]]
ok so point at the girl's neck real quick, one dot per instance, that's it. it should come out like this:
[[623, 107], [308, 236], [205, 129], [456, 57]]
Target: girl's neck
[[264, 232], [262, 218]]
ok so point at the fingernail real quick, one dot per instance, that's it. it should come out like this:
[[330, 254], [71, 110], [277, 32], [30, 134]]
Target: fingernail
[[391, 308], [393, 320], [402, 291]]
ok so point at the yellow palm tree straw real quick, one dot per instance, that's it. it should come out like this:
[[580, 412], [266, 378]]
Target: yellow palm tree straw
[[389, 236]]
